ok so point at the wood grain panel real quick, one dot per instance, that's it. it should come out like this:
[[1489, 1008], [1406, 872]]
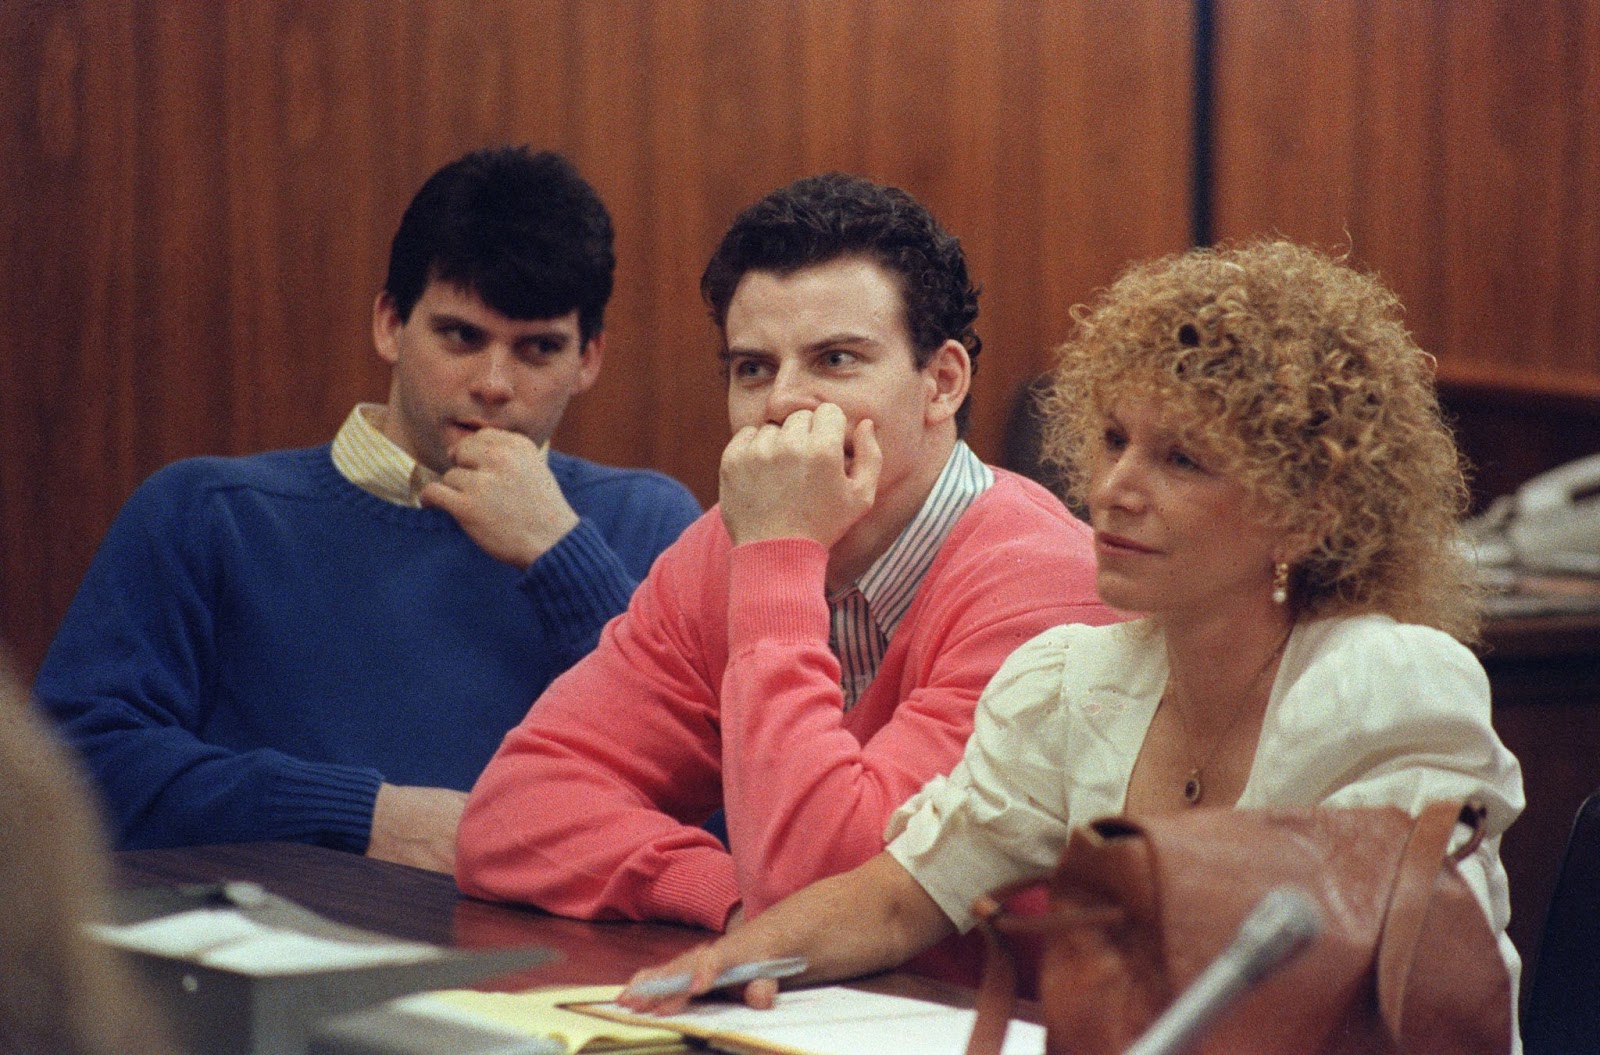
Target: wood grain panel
[[1115, 133], [68, 295], [204, 197], [698, 130], [303, 263], [1515, 197], [1451, 147], [609, 90]]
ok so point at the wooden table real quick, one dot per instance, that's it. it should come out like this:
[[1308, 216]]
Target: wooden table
[[425, 906], [1544, 672]]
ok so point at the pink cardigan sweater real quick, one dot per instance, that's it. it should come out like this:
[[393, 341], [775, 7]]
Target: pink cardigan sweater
[[717, 688]]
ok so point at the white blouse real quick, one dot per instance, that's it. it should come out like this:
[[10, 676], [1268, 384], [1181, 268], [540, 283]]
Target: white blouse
[[1364, 711]]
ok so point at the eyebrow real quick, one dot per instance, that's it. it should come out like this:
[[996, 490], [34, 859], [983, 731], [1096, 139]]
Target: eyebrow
[[1163, 434], [831, 341], [544, 329], [447, 318], [559, 336]]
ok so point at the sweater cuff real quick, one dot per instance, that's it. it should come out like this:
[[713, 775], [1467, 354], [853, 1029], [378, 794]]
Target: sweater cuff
[[697, 886], [329, 805], [577, 585], [777, 589]]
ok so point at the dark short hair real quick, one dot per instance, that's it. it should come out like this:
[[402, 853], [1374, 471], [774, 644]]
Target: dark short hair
[[522, 231], [823, 218]]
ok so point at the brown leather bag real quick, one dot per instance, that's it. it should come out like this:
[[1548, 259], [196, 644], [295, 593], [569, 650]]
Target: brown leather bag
[[1405, 961]]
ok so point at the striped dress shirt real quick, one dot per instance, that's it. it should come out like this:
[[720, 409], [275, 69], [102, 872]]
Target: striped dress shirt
[[864, 614]]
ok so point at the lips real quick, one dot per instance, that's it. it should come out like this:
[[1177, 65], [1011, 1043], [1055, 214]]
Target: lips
[[462, 428], [1110, 543]]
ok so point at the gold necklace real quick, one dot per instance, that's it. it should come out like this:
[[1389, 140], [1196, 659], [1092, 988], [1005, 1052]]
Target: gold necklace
[[1194, 788]]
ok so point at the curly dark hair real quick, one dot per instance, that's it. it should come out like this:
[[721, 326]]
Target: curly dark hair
[[823, 218], [522, 231], [1298, 371]]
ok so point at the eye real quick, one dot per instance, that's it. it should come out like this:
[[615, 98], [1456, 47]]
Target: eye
[[1181, 459], [460, 334], [541, 348], [747, 368], [838, 358], [1113, 439]]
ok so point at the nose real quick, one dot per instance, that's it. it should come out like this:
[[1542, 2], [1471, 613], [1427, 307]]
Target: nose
[[491, 380], [1117, 482], [788, 393]]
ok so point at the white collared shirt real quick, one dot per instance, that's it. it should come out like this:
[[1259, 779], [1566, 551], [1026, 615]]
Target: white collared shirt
[[375, 463]]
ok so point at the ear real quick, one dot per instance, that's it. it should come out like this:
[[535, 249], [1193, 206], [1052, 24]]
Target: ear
[[386, 327], [589, 359], [949, 377]]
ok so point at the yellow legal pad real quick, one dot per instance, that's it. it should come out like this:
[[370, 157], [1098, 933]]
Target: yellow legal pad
[[537, 1013]]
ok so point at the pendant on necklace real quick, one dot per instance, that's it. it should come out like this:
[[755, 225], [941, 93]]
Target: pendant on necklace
[[1192, 788]]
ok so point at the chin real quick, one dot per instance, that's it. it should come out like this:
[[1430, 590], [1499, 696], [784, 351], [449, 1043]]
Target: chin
[[1132, 603], [1120, 594]]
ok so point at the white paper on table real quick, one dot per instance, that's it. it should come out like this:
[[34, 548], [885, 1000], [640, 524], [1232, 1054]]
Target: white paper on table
[[182, 934], [834, 1020], [226, 939]]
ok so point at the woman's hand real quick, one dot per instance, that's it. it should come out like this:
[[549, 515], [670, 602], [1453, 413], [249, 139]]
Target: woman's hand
[[867, 919], [651, 991]]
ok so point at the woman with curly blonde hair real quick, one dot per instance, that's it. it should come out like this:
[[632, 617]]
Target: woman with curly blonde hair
[[1298, 373], [1271, 489]]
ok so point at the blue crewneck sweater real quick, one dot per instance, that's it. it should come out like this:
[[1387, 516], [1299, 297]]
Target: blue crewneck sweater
[[259, 643]]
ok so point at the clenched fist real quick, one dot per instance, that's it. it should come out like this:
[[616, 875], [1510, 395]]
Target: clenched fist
[[811, 477]]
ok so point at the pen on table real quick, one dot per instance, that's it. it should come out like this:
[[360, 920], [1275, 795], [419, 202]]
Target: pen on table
[[674, 984]]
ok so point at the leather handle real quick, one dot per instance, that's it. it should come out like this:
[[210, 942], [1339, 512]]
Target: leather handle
[[1425, 853], [997, 993]]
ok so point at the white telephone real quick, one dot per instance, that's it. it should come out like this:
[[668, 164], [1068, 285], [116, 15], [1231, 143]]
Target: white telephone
[[1551, 524]]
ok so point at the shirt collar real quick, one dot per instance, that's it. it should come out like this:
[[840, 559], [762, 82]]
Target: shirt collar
[[891, 583], [375, 463]]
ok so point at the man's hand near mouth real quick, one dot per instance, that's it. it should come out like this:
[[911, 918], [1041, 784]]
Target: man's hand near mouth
[[812, 477], [503, 495]]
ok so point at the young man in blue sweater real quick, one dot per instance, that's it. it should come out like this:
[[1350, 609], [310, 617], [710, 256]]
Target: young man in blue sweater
[[326, 645]]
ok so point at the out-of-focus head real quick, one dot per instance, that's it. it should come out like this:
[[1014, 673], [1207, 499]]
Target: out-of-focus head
[[521, 231], [61, 991], [1297, 373], [824, 218]]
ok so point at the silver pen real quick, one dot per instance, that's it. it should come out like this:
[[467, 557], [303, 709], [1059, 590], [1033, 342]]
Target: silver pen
[[676, 984]]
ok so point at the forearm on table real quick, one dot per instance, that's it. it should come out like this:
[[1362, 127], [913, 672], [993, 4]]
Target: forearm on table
[[579, 815], [805, 799], [168, 789], [868, 919]]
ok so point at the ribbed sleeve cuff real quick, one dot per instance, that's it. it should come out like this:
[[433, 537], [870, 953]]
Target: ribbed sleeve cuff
[[777, 590], [698, 887], [577, 585], [325, 804]]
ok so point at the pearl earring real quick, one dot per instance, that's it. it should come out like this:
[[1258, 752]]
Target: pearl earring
[[1280, 583]]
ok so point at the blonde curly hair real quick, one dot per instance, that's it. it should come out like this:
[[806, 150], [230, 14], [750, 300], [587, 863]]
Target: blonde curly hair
[[1294, 371]]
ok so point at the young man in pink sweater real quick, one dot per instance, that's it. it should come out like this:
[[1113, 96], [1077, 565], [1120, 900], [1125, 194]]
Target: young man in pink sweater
[[810, 652]]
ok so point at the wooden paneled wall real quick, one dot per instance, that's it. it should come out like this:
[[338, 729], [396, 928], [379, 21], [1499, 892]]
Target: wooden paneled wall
[[199, 199], [1454, 148]]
